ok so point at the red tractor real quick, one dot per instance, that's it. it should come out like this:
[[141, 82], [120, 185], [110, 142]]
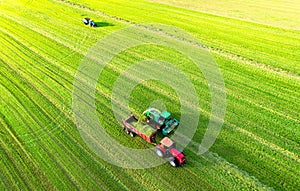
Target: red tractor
[[167, 149]]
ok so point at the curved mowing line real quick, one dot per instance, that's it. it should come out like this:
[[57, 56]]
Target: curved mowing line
[[18, 38], [290, 155], [220, 52], [24, 119], [67, 136], [16, 168], [3, 179], [261, 140], [55, 140], [57, 96], [28, 157], [52, 157]]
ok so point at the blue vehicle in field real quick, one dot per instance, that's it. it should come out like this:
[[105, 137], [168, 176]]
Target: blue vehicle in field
[[88, 21]]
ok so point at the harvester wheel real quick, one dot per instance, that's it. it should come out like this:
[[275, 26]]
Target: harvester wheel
[[159, 153]]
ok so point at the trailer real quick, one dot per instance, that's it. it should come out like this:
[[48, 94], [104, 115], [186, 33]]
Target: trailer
[[133, 127]]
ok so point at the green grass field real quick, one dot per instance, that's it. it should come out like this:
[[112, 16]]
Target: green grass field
[[43, 43]]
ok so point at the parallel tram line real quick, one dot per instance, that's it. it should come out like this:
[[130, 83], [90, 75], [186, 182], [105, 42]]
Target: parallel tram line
[[24, 120], [50, 135]]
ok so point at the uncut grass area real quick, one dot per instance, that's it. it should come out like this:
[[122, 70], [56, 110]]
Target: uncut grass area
[[43, 42]]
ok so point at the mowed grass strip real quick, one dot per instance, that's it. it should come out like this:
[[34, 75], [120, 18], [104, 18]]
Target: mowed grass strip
[[265, 153], [146, 177], [278, 13], [249, 40], [168, 167]]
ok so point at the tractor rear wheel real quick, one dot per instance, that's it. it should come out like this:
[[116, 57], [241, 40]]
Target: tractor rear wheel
[[159, 152]]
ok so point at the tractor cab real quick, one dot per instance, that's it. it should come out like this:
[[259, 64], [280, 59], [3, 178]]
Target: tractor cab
[[157, 116], [167, 144], [160, 120], [163, 117]]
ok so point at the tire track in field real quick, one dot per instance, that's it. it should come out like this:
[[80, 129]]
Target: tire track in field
[[32, 167], [290, 154], [271, 109], [75, 159], [3, 183], [214, 50], [24, 120], [46, 96], [27, 96], [57, 96], [19, 38], [116, 124], [16, 171], [282, 114]]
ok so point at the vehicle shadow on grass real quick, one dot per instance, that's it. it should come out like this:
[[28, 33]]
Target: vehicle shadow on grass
[[104, 24]]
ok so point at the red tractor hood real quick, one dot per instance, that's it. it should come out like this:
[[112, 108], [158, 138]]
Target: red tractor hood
[[178, 155]]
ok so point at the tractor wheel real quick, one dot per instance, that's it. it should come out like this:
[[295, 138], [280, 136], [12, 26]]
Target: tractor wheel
[[173, 162], [132, 134], [127, 131], [159, 152]]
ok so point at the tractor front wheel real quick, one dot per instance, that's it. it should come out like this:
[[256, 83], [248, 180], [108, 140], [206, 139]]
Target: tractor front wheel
[[173, 162], [132, 134]]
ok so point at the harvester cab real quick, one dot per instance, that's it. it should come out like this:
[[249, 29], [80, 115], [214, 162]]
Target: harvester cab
[[161, 120], [167, 149]]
